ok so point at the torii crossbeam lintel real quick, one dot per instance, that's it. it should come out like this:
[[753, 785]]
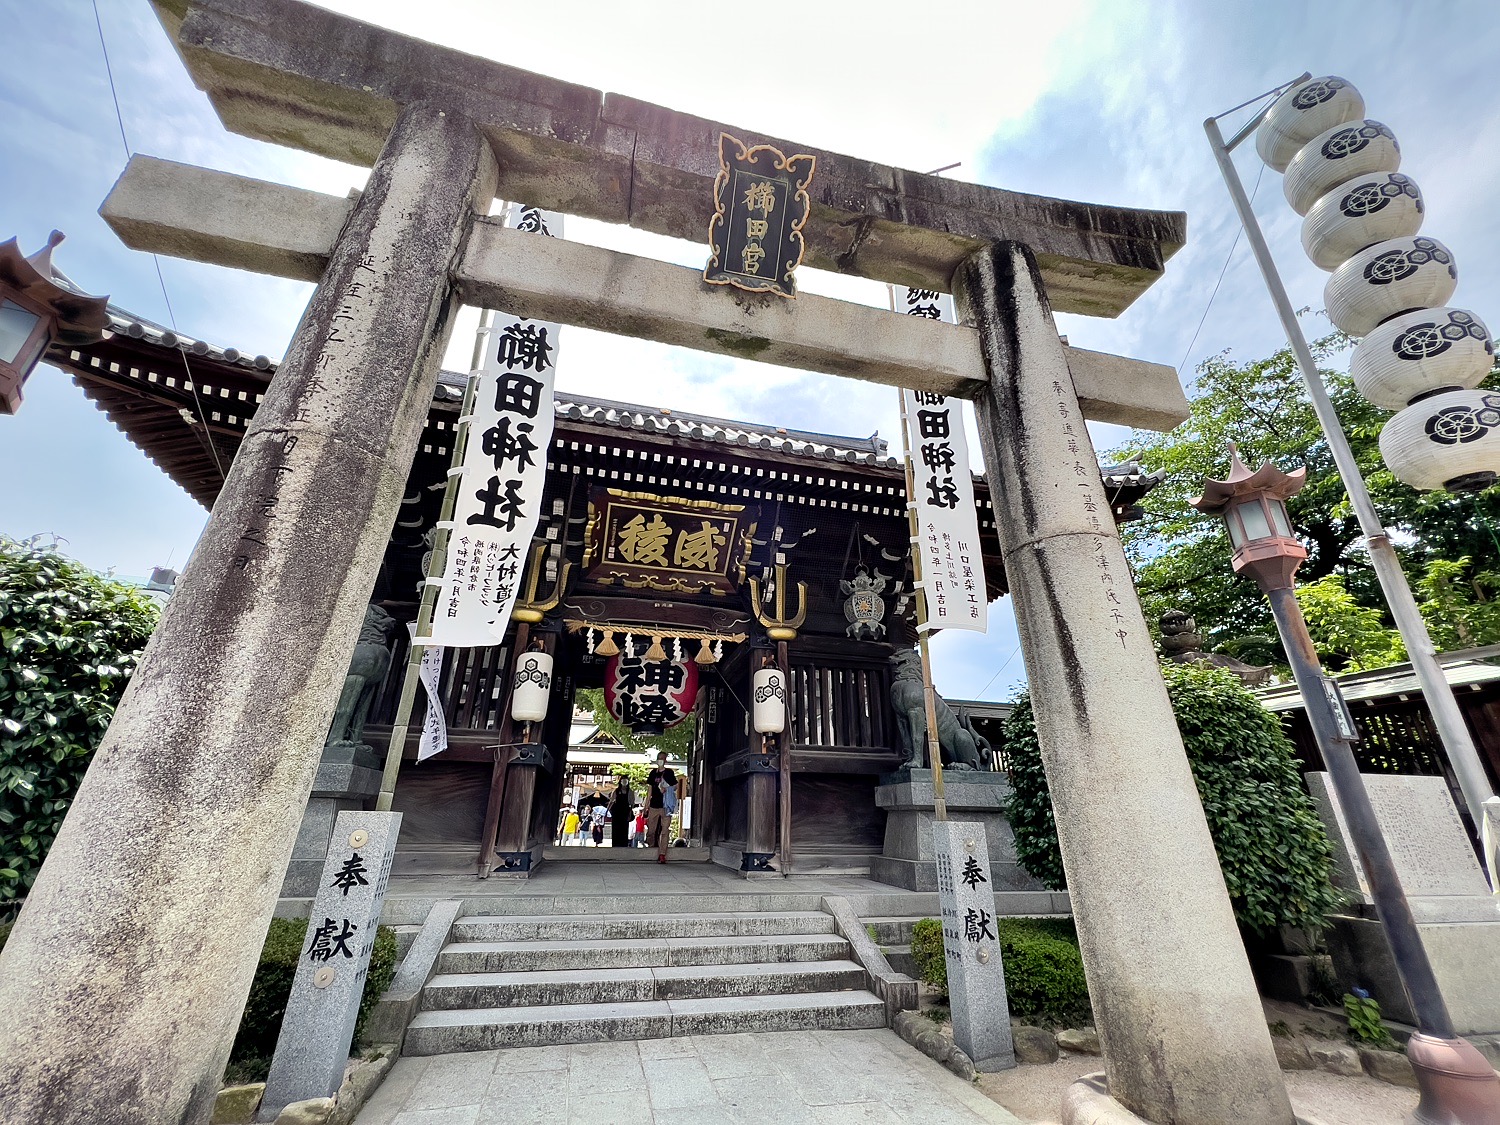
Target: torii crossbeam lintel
[[296, 75], [230, 220]]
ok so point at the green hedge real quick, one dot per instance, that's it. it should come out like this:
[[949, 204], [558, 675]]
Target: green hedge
[[250, 1058], [1271, 845], [1044, 979]]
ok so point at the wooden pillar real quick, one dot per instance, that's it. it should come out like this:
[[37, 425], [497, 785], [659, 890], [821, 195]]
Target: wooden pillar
[[785, 740], [1185, 1040], [124, 979]]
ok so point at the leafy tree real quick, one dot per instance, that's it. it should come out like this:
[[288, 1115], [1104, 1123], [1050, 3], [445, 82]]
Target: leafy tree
[[676, 741], [69, 640], [635, 773], [1271, 845], [1347, 635], [1182, 558], [1459, 603]]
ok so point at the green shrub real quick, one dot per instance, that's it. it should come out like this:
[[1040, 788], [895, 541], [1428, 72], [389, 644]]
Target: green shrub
[[1044, 981], [250, 1057], [68, 643], [1365, 1026], [1271, 845]]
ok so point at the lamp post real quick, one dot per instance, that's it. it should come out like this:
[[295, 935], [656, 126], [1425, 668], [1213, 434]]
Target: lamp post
[[35, 311], [1458, 1086]]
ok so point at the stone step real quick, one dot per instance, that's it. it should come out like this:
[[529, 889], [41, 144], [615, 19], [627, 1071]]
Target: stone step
[[486, 1029], [450, 991], [572, 927], [638, 953]]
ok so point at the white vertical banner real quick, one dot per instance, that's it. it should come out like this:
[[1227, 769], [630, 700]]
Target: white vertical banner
[[947, 519], [434, 723], [504, 470]]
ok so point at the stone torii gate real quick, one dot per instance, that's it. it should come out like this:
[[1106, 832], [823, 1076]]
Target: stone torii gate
[[122, 984]]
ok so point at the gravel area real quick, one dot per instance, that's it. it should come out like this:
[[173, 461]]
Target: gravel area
[[1034, 1093]]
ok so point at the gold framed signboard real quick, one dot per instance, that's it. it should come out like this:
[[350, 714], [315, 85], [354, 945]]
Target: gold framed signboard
[[760, 206], [641, 541]]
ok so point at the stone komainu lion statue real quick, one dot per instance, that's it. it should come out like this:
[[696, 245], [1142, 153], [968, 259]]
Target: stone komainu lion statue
[[367, 669], [959, 745]]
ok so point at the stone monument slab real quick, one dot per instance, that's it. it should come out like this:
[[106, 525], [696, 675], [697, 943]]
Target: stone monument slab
[[1457, 918], [971, 946], [313, 1047], [1421, 825]]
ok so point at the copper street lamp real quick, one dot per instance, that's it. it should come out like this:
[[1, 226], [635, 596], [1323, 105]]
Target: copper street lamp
[[35, 312], [1458, 1086]]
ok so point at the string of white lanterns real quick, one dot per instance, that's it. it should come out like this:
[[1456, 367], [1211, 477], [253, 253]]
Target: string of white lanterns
[[1389, 286]]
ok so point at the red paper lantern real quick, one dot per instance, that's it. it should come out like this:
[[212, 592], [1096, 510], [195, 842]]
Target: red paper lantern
[[649, 696]]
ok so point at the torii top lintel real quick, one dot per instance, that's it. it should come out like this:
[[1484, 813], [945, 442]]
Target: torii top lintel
[[296, 75]]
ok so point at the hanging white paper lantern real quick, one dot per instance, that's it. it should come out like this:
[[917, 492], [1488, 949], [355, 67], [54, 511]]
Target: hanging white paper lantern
[[1421, 352], [532, 687], [1303, 112], [1451, 440], [769, 689], [1360, 213], [1388, 279], [1356, 148]]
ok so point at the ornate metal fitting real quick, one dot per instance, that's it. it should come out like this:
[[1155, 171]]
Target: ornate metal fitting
[[779, 627], [528, 608]]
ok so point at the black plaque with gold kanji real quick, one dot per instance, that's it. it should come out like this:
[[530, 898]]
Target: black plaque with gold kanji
[[760, 205]]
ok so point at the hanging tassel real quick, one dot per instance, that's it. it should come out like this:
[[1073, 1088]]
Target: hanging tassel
[[656, 652], [607, 646], [705, 654], [630, 646]]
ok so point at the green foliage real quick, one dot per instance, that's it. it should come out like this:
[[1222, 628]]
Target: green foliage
[[1459, 603], [1044, 981], [1271, 845], [927, 952], [634, 772], [255, 1043], [1348, 636], [1182, 559], [1363, 1013], [676, 741], [69, 640]]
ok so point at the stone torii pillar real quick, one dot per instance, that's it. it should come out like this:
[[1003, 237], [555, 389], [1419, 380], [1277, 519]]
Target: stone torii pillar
[[155, 898], [1179, 1017]]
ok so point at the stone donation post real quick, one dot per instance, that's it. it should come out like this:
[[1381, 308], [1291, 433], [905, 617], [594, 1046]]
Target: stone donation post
[[971, 945], [316, 1032]]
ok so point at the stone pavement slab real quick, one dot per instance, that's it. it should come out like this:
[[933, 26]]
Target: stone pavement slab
[[766, 1078]]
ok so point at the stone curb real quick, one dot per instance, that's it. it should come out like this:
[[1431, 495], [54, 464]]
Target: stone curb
[[399, 1003], [363, 1079], [935, 1042], [897, 990]]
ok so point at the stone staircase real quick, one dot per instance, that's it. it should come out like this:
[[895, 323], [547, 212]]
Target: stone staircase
[[525, 980]]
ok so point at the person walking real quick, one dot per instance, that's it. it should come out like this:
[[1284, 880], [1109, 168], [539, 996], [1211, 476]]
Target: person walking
[[570, 826], [662, 806], [639, 839], [597, 815]]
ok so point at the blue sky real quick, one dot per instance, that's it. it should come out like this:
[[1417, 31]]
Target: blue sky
[[1095, 101]]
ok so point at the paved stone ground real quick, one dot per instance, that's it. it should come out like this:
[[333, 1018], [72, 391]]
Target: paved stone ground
[[1034, 1094], [785, 1078], [623, 877]]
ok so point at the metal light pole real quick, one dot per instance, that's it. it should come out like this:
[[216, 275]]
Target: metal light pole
[[1458, 1086], [1446, 716]]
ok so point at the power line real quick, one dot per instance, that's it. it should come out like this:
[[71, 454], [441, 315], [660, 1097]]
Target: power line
[[1002, 668], [192, 384], [1239, 230]]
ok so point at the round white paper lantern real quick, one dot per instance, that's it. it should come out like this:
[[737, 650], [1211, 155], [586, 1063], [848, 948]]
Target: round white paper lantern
[[1420, 352], [1451, 440], [1356, 148], [1388, 279], [1303, 112], [532, 687], [769, 689], [1360, 213]]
